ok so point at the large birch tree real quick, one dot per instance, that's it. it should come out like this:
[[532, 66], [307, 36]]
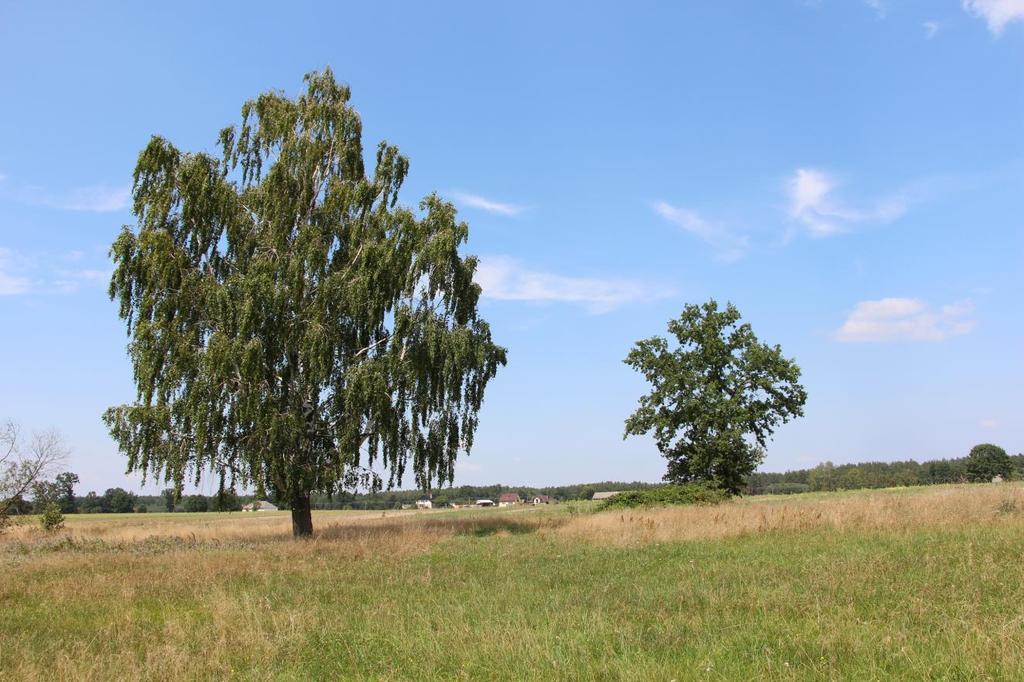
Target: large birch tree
[[291, 326]]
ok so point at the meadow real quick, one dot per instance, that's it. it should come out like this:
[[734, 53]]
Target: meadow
[[914, 583]]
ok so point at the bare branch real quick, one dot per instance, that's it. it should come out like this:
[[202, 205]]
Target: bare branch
[[18, 470]]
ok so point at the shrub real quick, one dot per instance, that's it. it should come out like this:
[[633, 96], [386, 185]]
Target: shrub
[[785, 488], [51, 518], [689, 493], [141, 509]]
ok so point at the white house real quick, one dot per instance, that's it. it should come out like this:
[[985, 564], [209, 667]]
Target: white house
[[259, 505], [485, 503], [509, 500], [424, 503]]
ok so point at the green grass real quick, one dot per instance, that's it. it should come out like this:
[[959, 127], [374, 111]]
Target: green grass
[[919, 603]]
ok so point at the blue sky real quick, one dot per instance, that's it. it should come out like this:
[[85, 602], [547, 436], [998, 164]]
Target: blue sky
[[849, 173]]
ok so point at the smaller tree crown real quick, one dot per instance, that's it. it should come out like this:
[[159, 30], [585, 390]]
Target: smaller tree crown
[[716, 398]]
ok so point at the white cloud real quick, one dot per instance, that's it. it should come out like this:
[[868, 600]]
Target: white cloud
[[996, 13], [989, 423], [94, 199], [11, 283], [904, 319], [813, 203], [477, 201], [97, 199], [878, 6], [71, 281], [40, 274], [930, 29], [730, 247], [506, 279]]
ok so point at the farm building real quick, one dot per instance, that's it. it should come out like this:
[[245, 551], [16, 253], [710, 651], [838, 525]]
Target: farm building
[[485, 503], [605, 496], [542, 499], [509, 499], [424, 502], [259, 505]]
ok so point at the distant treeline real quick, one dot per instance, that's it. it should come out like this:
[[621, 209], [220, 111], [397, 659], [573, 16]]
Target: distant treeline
[[824, 477], [468, 494], [829, 476]]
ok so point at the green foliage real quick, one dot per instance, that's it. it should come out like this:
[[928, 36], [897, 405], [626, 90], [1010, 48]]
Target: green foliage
[[716, 398], [196, 503], [986, 461], [51, 518], [118, 501], [170, 496], [290, 325], [114, 500], [786, 488], [828, 476], [141, 509], [60, 491], [66, 483], [91, 503], [225, 500], [690, 493]]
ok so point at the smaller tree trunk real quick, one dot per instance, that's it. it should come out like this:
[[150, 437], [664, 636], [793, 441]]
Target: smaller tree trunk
[[302, 517]]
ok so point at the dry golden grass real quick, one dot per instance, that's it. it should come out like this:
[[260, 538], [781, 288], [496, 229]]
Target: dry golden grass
[[903, 509], [923, 583]]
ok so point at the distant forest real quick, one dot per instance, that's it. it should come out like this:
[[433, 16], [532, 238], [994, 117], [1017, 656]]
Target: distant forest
[[824, 477], [829, 476]]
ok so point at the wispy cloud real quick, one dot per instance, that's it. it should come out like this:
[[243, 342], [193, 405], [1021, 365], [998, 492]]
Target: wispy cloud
[[996, 13], [94, 199], [989, 423], [930, 29], [33, 274], [813, 203], [489, 205], [70, 281], [878, 6], [507, 279], [728, 246], [99, 199], [12, 280], [904, 319]]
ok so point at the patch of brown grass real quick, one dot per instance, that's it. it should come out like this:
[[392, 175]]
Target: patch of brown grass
[[900, 510]]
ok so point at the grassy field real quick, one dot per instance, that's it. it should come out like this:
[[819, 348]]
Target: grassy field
[[907, 584]]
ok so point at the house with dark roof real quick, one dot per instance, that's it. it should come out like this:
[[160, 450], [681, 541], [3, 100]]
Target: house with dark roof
[[542, 499], [509, 499]]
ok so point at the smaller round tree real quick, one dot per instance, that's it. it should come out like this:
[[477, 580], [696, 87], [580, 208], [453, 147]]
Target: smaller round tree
[[716, 398], [986, 461]]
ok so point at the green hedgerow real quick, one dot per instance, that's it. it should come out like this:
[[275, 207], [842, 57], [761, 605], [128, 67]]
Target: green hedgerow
[[689, 493]]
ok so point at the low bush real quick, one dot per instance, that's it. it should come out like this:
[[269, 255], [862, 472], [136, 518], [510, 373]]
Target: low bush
[[51, 518], [690, 493], [785, 488]]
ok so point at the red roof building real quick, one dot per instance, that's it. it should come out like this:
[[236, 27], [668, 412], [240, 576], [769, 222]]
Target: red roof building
[[508, 499]]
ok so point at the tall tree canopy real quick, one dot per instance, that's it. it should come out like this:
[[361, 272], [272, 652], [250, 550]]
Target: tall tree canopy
[[986, 461], [716, 398], [291, 325]]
